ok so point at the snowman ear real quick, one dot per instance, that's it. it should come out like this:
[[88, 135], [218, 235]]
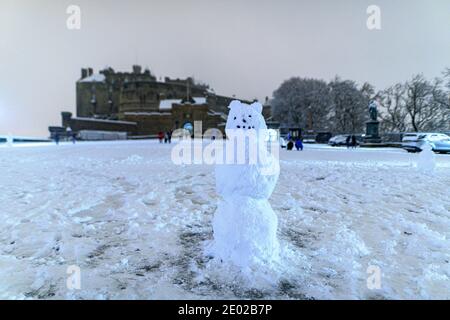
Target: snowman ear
[[234, 104], [257, 106]]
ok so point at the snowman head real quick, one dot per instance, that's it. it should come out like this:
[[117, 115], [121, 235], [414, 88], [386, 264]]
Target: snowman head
[[243, 116]]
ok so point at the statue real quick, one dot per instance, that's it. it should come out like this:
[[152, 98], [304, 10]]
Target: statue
[[372, 134], [373, 110]]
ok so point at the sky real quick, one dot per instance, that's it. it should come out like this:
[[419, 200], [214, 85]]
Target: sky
[[242, 47]]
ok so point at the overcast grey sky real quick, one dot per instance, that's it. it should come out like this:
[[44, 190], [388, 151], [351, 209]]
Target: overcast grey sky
[[244, 47]]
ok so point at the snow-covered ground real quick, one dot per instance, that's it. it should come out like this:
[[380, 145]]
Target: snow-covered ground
[[136, 225]]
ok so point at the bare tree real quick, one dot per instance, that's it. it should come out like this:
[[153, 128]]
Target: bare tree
[[394, 116], [417, 105], [443, 95], [425, 112]]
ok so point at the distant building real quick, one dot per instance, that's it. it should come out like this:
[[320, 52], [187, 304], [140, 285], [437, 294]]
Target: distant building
[[140, 105]]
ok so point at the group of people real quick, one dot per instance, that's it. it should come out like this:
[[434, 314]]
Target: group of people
[[166, 136], [69, 135], [297, 143], [351, 142]]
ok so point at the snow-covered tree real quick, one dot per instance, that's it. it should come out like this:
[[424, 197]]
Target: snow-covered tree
[[349, 109], [304, 103]]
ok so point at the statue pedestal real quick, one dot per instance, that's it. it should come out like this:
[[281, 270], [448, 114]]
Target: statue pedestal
[[372, 134]]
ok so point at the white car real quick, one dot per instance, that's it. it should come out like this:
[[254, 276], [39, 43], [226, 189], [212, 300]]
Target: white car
[[339, 140], [414, 142]]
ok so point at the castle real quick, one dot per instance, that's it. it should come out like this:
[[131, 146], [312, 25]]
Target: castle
[[137, 104]]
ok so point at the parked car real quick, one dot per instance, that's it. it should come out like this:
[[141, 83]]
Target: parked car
[[309, 138], [414, 142], [323, 137], [341, 139]]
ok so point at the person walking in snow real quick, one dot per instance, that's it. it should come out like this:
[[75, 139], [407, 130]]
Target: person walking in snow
[[354, 143], [347, 141], [169, 136], [160, 136], [290, 145], [166, 137], [70, 134], [299, 144]]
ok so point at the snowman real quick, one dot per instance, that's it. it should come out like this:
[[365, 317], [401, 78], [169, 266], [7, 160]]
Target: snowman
[[426, 162], [244, 224]]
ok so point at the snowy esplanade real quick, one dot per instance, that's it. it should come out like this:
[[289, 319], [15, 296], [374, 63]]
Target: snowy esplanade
[[364, 224]]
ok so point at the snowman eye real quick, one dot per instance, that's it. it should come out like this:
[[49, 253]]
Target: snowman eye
[[250, 115], [234, 118]]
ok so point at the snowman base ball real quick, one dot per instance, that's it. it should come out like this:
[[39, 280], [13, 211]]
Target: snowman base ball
[[245, 232]]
